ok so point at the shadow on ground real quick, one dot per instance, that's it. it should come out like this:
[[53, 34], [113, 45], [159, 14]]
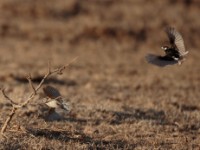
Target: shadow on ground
[[52, 80], [78, 137]]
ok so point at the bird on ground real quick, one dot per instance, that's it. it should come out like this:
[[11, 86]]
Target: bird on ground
[[56, 101], [175, 53]]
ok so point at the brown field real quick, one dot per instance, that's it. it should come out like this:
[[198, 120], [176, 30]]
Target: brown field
[[119, 101]]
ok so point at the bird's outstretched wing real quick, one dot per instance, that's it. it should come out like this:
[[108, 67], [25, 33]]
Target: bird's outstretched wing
[[176, 40], [160, 61], [51, 92]]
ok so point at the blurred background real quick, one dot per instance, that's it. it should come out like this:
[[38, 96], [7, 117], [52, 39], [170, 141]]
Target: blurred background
[[35, 30]]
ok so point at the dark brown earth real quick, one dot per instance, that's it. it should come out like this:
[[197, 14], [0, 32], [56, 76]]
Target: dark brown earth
[[119, 100]]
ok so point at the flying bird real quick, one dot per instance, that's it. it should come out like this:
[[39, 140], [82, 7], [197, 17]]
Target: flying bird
[[175, 53]]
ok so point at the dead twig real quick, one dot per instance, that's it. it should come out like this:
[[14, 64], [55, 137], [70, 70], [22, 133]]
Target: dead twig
[[16, 106], [8, 98], [31, 83], [5, 125]]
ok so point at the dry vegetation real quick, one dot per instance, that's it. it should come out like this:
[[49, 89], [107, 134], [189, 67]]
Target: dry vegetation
[[119, 101]]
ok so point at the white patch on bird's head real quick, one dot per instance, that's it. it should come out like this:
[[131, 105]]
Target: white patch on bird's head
[[164, 48]]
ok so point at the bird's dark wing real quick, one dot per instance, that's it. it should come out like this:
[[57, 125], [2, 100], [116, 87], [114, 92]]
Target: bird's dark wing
[[160, 61], [170, 34], [51, 92], [176, 40]]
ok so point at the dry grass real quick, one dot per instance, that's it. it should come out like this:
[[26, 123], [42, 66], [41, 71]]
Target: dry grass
[[119, 101]]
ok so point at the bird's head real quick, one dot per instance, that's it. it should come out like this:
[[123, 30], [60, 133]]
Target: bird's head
[[164, 48]]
